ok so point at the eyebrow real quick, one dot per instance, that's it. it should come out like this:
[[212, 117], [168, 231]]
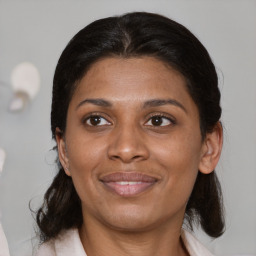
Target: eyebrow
[[161, 102], [147, 104], [98, 102]]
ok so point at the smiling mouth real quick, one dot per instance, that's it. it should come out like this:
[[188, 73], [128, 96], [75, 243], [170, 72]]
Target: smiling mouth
[[128, 184]]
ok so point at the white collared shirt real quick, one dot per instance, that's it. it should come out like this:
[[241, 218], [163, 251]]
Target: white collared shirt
[[69, 243]]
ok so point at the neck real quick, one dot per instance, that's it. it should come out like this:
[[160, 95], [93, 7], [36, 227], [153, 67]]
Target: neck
[[99, 240]]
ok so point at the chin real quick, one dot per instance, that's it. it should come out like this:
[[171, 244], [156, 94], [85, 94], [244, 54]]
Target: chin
[[132, 220]]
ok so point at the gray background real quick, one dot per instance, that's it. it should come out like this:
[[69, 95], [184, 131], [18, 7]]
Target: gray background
[[37, 31]]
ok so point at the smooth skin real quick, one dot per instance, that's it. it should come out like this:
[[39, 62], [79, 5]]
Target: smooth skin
[[134, 116]]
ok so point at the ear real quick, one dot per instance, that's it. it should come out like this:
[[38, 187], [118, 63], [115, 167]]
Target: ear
[[62, 151], [211, 150]]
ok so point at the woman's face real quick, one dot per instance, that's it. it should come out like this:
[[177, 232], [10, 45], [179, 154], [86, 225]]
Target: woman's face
[[132, 144]]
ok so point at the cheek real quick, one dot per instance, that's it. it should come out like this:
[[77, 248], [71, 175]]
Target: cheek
[[181, 150], [180, 156], [84, 152], [85, 156]]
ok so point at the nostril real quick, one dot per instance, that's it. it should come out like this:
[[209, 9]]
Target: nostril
[[127, 158], [127, 145]]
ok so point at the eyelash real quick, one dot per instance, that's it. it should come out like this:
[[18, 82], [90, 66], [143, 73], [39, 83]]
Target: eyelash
[[99, 115]]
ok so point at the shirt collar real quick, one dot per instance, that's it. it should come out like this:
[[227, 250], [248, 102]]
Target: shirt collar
[[70, 244]]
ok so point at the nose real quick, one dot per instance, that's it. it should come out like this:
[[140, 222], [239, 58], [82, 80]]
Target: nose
[[127, 145]]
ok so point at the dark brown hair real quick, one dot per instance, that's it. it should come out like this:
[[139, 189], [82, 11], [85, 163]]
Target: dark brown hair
[[131, 35]]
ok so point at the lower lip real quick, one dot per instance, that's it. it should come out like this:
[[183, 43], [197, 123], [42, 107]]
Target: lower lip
[[127, 190]]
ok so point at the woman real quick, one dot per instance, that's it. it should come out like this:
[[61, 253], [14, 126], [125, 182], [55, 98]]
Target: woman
[[135, 114]]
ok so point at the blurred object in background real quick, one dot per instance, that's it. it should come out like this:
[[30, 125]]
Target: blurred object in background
[[4, 250], [25, 82], [2, 159]]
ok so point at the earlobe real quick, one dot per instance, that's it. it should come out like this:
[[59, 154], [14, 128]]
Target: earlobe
[[62, 152], [211, 150]]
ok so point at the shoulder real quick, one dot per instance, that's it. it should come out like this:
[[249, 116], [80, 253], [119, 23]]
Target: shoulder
[[194, 247], [66, 244], [46, 249]]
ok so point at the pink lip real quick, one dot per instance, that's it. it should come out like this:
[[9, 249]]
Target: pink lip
[[128, 184]]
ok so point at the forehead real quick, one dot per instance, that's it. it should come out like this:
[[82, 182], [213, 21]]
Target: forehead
[[131, 78]]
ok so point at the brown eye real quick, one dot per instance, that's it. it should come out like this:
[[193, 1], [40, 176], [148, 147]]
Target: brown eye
[[96, 121], [159, 121]]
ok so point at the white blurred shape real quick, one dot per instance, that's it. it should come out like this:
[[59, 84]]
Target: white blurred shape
[[19, 101], [2, 159], [4, 249], [25, 78]]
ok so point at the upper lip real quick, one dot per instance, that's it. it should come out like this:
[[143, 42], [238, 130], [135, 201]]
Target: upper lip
[[128, 176]]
